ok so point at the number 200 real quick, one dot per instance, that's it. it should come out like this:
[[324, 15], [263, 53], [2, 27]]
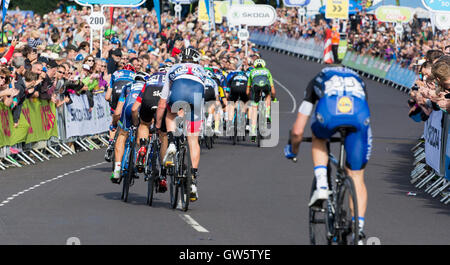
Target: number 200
[[97, 20]]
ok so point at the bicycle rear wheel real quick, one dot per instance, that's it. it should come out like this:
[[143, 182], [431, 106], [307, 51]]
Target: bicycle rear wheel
[[128, 178], [347, 207], [154, 174], [185, 166], [235, 123], [318, 222], [173, 189]]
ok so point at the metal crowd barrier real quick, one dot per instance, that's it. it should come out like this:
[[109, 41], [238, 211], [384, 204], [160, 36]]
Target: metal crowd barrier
[[23, 154], [434, 179], [307, 49]]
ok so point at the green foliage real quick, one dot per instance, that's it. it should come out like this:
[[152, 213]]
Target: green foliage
[[38, 6]]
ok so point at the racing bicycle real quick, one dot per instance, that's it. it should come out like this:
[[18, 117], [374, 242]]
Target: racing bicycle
[[330, 221]]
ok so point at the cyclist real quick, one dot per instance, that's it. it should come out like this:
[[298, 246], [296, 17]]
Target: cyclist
[[259, 81], [237, 86], [118, 80], [212, 94], [144, 113], [184, 83], [122, 117], [341, 100]]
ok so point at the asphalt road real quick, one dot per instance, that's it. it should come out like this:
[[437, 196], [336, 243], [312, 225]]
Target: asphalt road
[[246, 195]]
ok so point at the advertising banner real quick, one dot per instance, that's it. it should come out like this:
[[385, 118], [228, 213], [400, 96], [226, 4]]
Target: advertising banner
[[81, 122], [394, 14], [433, 141], [296, 3], [37, 123], [252, 15], [203, 14], [437, 5]]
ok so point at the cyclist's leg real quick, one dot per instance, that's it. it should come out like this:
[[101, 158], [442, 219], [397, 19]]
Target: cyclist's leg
[[358, 148], [320, 160], [118, 152]]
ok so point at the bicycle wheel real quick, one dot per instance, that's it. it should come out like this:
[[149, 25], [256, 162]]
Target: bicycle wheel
[[130, 173], [347, 207], [235, 123], [154, 174], [319, 222], [186, 177], [173, 187]]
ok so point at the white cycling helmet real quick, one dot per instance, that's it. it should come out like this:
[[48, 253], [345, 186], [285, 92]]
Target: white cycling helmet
[[259, 63]]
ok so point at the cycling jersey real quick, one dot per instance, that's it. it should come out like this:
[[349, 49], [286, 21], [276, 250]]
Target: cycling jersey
[[185, 83], [260, 81], [130, 93], [237, 85], [211, 89], [150, 95], [118, 80], [341, 101]]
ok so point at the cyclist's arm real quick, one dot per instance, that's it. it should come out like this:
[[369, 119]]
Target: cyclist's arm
[[249, 83], [271, 85], [305, 110]]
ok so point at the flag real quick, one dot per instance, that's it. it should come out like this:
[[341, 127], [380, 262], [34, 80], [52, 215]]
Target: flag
[[5, 8], [158, 12], [111, 15], [207, 8]]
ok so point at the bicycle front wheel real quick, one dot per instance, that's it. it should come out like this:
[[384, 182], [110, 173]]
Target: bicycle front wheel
[[186, 175], [346, 208], [173, 187], [319, 220], [130, 174]]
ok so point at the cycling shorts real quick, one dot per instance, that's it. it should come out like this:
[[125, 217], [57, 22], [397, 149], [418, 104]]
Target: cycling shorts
[[333, 112], [210, 95], [191, 92], [126, 121], [149, 99], [238, 93]]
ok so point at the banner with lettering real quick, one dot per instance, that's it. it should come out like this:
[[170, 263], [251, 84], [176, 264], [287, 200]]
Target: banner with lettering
[[37, 123], [81, 122], [433, 141]]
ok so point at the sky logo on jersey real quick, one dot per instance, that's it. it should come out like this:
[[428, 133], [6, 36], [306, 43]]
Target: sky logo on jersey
[[344, 105]]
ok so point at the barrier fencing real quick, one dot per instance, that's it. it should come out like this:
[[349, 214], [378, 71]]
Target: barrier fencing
[[378, 69], [45, 131], [432, 157]]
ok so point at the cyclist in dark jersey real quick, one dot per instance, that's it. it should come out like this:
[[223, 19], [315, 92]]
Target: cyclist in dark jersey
[[237, 87], [119, 79], [144, 114]]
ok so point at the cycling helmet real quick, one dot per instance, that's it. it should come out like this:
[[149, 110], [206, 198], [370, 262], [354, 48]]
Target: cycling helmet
[[163, 68], [259, 63], [141, 76], [190, 54], [129, 67], [210, 74]]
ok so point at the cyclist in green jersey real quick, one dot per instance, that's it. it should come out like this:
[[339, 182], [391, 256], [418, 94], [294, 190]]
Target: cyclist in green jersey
[[259, 81]]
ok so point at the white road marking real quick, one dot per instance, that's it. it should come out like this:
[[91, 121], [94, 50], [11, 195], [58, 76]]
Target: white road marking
[[190, 221], [44, 182], [290, 94]]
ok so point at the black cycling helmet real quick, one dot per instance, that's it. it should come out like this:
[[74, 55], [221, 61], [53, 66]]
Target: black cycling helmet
[[141, 76], [190, 55]]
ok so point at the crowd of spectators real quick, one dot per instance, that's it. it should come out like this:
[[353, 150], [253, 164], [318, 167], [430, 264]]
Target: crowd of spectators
[[49, 57], [366, 35]]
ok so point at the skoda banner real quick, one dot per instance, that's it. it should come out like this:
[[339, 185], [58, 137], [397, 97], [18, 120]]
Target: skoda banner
[[252, 15], [433, 141]]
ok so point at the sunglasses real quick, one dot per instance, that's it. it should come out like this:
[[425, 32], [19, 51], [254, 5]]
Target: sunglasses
[[90, 61], [61, 72]]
